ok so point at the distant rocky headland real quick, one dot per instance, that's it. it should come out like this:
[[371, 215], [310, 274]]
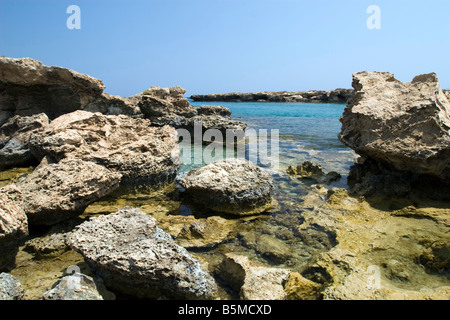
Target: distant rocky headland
[[312, 96], [318, 96]]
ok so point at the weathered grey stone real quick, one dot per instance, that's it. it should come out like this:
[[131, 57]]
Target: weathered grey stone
[[253, 281], [56, 192], [133, 256], [29, 87], [10, 287], [13, 225], [404, 125], [74, 287], [142, 154], [234, 186]]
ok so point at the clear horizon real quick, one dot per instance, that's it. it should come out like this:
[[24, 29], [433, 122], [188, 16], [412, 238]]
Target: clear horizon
[[226, 46]]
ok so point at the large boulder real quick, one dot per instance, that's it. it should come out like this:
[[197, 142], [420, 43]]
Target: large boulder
[[403, 125], [234, 186], [135, 257], [29, 87], [142, 154], [14, 137], [13, 225], [56, 192]]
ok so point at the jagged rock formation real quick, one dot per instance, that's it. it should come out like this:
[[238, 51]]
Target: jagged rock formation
[[133, 256], [403, 125], [29, 87], [334, 96], [56, 192], [234, 186], [140, 153], [13, 225]]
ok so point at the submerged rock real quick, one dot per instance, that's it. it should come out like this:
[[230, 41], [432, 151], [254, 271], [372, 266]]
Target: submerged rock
[[56, 192], [10, 287], [135, 257], [140, 153], [306, 170], [13, 225], [190, 232], [311, 171], [234, 186], [380, 253], [403, 125]]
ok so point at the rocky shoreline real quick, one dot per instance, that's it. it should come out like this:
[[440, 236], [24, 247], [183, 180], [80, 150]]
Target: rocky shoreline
[[312, 96], [315, 96], [102, 199]]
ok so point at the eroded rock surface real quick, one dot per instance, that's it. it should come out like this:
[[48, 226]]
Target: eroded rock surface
[[29, 87], [140, 153], [133, 256], [404, 125], [13, 225], [234, 186], [59, 191]]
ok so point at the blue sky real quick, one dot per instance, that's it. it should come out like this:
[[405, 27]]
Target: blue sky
[[216, 46]]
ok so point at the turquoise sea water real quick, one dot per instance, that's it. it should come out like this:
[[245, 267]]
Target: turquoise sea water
[[307, 131]]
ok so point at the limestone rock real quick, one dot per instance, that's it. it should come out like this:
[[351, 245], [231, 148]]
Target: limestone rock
[[29, 87], [10, 287], [333, 96], [214, 110], [405, 125], [13, 225], [133, 256], [74, 287], [13, 222], [234, 186], [253, 281], [56, 192], [142, 154], [300, 288], [306, 170]]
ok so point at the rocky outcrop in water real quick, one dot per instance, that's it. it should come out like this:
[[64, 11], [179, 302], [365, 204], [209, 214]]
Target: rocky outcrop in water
[[402, 125], [13, 225], [234, 186], [57, 192], [168, 106], [133, 256], [140, 153], [334, 96]]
